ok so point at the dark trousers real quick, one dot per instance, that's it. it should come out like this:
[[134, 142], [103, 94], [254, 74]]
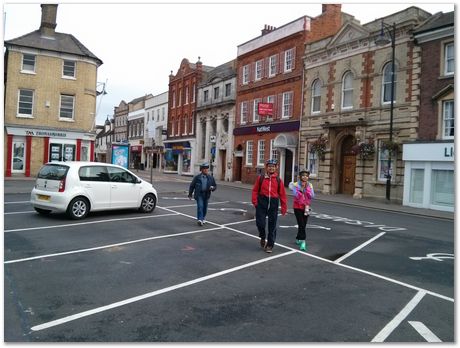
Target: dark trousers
[[267, 207], [302, 220]]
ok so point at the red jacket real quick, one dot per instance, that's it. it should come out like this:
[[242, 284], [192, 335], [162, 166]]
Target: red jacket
[[269, 189]]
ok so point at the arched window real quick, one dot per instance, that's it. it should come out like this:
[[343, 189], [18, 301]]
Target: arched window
[[316, 96], [386, 84], [347, 91]]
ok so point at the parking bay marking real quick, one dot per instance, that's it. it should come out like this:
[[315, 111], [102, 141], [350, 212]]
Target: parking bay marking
[[433, 256], [426, 333], [153, 293], [87, 223]]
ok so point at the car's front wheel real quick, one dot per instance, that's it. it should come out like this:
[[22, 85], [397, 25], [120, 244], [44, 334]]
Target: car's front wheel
[[148, 203], [42, 211], [78, 208]]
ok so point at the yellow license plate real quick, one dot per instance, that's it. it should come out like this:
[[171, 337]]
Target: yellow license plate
[[43, 197]]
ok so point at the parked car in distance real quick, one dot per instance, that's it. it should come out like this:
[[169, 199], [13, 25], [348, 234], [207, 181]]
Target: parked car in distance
[[77, 188], [18, 163]]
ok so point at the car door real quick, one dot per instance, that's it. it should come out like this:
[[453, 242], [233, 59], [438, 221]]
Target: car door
[[94, 181], [124, 190]]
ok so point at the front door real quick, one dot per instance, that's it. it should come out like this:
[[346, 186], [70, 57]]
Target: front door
[[223, 163], [238, 168], [348, 177], [288, 168]]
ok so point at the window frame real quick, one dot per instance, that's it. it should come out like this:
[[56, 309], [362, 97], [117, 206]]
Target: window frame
[[216, 92], [255, 114], [272, 63], [258, 70], [23, 65], [18, 113], [61, 117], [316, 84], [249, 152], [386, 83], [244, 112], [260, 152], [446, 59], [73, 68], [348, 90], [384, 153], [245, 75], [273, 150], [287, 106], [289, 60], [312, 161], [451, 120], [228, 89]]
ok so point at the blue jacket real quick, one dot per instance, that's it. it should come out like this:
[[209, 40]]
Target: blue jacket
[[195, 185]]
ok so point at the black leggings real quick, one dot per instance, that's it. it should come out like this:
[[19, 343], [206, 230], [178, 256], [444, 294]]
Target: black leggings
[[302, 220]]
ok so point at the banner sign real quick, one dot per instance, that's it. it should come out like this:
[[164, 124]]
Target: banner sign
[[264, 109]]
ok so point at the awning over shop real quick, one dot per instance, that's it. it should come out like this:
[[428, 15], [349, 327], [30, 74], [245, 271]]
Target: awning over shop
[[285, 141]]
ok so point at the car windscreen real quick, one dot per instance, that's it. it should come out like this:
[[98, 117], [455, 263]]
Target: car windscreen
[[53, 172]]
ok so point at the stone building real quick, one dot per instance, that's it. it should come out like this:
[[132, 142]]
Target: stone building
[[270, 72], [215, 114], [180, 145], [50, 98], [120, 114], [346, 112], [429, 180], [156, 122], [136, 131]]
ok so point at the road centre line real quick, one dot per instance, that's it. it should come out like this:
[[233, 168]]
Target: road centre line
[[153, 293], [87, 223], [359, 247], [393, 324], [109, 245], [391, 280], [425, 332]]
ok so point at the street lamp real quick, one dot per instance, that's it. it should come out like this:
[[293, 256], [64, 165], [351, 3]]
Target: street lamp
[[383, 40]]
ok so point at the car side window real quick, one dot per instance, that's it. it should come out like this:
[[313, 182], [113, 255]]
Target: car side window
[[120, 175], [93, 173]]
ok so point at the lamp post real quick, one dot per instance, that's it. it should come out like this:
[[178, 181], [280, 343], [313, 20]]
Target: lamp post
[[383, 40]]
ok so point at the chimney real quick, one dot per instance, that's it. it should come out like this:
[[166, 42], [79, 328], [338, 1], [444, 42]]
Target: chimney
[[48, 22], [267, 29], [331, 8]]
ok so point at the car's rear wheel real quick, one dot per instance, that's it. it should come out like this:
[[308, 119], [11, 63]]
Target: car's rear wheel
[[78, 208], [42, 211], [148, 203]]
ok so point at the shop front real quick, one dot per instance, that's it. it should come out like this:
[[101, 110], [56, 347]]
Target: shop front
[[27, 149], [178, 157], [429, 175], [135, 157]]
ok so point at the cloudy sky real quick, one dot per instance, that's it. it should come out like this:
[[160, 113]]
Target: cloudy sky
[[141, 43]]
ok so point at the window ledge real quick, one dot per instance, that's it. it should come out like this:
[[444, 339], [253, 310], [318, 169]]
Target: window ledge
[[24, 116], [66, 119], [69, 78], [28, 72]]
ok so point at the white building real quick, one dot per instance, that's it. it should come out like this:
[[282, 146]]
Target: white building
[[156, 122]]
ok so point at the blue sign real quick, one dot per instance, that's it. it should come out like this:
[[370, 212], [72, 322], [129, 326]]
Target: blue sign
[[213, 150], [120, 155]]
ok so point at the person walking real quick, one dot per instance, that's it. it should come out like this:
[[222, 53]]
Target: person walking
[[303, 194], [201, 187], [267, 194]]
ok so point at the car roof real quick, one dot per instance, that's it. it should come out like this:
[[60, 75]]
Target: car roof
[[78, 164]]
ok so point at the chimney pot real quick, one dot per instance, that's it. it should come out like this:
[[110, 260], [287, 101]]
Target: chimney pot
[[48, 20]]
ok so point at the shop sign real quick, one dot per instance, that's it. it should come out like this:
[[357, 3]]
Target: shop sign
[[263, 129], [291, 126], [136, 148], [34, 132], [265, 109]]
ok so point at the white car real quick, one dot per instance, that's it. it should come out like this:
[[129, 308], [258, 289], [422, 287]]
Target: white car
[[80, 187]]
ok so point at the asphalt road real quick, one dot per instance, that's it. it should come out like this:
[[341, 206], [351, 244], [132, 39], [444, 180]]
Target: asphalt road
[[123, 276]]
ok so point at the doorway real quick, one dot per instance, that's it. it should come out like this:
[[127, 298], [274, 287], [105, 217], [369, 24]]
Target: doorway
[[223, 163], [347, 179], [287, 167]]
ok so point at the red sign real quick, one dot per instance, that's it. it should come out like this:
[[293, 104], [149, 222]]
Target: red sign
[[265, 109], [136, 148]]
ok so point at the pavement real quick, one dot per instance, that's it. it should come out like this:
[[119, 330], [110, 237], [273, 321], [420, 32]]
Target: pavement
[[21, 184]]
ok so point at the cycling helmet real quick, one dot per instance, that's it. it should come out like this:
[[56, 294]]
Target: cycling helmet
[[271, 161]]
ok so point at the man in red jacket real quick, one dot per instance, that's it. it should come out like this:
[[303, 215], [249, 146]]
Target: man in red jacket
[[267, 193]]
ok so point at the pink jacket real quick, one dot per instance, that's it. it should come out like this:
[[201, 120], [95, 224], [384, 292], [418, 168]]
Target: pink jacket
[[301, 198]]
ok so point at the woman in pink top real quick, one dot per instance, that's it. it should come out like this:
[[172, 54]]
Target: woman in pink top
[[303, 193]]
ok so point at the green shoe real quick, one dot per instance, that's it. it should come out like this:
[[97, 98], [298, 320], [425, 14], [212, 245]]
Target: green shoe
[[303, 246], [298, 241]]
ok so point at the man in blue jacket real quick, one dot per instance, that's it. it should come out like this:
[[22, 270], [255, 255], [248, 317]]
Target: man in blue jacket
[[202, 184]]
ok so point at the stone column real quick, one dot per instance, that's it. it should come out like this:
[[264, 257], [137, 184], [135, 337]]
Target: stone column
[[207, 154]]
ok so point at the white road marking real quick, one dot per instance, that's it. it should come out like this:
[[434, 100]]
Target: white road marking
[[153, 293], [230, 209], [425, 332], [308, 226], [194, 204], [88, 223], [16, 202], [109, 245], [175, 198], [393, 324], [340, 259], [20, 212], [434, 256]]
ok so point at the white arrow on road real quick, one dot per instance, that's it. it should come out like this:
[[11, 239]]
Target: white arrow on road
[[433, 256]]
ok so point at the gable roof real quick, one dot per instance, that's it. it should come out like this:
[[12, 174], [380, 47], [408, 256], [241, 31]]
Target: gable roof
[[58, 42], [437, 21]]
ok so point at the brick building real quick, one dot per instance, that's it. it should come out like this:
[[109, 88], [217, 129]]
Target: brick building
[[429, 160], [50, 98], [180, 145], [345, 123], [270, 70]]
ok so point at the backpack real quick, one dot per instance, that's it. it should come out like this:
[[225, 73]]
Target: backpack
[[261, 179]]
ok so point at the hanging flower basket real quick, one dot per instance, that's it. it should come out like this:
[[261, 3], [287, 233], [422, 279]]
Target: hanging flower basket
[[319, 146], [365, 150], [391, 146]]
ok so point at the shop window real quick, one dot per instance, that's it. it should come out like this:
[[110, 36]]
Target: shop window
[[383, 164], [260, 152], [416, 186], [186, 161], [26, 103], [18, 160], [249, 149], [171, 160], [67, 107], [312, 163], [442, 187]]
